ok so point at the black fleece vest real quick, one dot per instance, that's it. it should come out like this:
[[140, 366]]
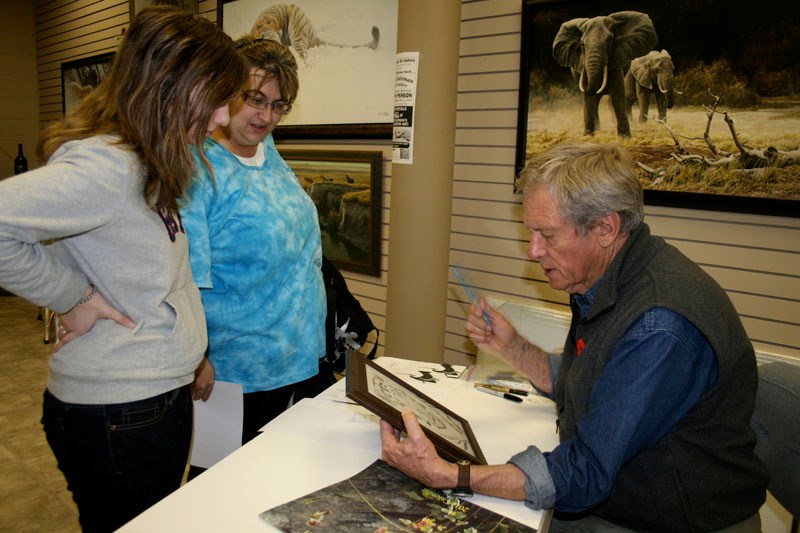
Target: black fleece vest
[[702, 475]]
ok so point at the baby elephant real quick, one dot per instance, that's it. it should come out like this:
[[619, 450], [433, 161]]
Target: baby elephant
[[650, 74]]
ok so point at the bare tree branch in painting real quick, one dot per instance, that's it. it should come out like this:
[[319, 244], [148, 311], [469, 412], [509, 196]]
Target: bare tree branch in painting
[[748, 161]]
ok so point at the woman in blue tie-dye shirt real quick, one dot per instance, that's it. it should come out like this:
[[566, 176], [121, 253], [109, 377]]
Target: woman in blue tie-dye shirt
[[255, 250]]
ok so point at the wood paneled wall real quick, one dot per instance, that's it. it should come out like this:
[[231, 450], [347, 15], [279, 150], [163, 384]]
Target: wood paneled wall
[[756, 259]]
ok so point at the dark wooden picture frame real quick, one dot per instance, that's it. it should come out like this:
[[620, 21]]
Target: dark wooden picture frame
[[713, 47], [355, 85], [387, 396], [81, 76], [346, 188]]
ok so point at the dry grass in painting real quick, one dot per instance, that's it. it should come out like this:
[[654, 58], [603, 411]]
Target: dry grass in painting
[[653, 147]]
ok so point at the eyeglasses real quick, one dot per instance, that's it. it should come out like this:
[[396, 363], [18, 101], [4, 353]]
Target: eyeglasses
[[256, 101]]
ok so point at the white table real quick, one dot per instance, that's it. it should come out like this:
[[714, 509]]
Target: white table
[[324, 440]]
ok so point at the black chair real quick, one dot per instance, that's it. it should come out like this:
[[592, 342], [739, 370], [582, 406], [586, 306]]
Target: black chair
[[776, 421]]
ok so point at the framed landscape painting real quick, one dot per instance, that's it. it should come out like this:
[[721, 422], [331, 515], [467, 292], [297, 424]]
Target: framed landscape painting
[[346, 189], [345, 51], [705, 97]]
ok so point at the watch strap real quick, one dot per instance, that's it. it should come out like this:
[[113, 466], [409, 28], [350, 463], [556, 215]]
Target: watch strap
[[463, 475]]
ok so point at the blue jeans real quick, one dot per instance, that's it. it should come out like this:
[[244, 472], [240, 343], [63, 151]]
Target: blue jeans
[[120, 459]]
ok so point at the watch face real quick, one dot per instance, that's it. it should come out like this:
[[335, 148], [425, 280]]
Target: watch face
[[462, 492]]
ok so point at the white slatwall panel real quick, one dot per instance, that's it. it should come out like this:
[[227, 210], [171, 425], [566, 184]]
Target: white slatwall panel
[[756, 259]]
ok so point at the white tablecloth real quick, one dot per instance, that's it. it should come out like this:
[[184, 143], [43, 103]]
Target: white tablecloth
[[324, 440]]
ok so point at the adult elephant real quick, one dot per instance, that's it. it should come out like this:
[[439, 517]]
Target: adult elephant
[[650, 75], [598, 51]]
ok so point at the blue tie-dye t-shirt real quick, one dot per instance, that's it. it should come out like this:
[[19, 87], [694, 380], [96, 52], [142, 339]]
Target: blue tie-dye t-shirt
[[255, 250]]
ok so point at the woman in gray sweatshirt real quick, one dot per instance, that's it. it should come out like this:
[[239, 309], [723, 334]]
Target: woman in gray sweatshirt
[[117, 410]]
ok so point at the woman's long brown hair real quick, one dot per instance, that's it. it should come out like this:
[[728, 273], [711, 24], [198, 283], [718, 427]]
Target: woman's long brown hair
[[172, 70]]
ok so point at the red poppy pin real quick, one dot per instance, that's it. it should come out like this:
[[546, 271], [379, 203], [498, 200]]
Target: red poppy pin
[[580, 346]]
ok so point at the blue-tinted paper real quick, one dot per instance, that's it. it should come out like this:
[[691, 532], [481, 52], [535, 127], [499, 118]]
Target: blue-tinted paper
[[469, 292]]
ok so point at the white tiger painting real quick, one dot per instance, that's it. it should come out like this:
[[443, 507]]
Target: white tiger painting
[[345, 50], [289, 24]]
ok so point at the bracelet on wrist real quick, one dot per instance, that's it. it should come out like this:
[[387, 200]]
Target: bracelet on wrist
[[89, 296]]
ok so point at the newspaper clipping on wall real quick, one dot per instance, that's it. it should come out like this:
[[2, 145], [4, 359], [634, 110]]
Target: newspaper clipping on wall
[[405, 94]]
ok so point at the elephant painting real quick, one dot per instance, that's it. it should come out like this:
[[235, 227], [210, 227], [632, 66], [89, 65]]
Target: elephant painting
[[599, 51], [650, 75]]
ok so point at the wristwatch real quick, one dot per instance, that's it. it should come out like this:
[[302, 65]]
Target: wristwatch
[[463, 490]]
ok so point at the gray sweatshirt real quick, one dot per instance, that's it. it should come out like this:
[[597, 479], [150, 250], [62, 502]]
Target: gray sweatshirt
[[88, 202]]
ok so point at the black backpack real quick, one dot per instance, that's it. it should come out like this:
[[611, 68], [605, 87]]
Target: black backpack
[[347, 324]]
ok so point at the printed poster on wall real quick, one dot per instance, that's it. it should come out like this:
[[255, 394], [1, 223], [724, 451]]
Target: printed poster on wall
[[405, 93]]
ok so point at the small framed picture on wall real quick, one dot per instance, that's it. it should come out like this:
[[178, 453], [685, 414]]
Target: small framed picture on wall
[[80, 77]]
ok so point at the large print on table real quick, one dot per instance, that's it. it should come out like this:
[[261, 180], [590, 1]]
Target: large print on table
[[345, 52], [705, 95], [383, 499], [346, 189], [388, 396]]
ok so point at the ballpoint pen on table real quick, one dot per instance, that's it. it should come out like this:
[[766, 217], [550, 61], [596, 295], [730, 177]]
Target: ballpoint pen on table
[[505, 395], [469, 293], [500, 388], [512, 384]]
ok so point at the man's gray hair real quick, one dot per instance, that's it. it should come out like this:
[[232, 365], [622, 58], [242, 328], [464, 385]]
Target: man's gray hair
[[588, 181]]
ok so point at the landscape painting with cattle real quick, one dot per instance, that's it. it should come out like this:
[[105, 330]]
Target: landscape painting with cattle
[[345, 187], [706, 95]]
